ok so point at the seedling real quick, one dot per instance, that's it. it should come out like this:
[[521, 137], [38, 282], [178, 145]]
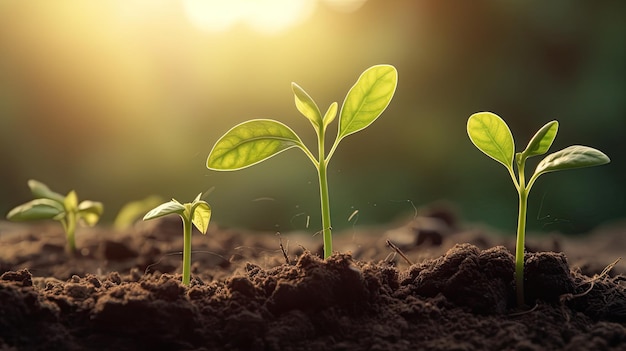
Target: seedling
[[197, 212], [256, 140], [65, 209], [492, 136], [133, 210]]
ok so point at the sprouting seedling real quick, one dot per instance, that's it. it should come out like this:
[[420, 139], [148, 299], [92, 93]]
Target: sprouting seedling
[[256, 140], [65, 209], [492, 136], [197, 212]]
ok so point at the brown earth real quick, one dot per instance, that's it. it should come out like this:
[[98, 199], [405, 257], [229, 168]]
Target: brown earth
[[123, 290]]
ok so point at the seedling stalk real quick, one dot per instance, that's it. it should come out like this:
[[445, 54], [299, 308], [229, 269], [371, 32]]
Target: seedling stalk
[[256, 140], [196, 213], [65, 209], [491, 135]]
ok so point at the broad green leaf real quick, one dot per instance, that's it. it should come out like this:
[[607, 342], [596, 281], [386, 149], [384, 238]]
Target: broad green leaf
[[251, 142], [90, 212], [330, 115], [36, 209], [40, 190], [170, 207], [575, 156], [201, 216], [367, 99], [306, 106], [492, 136], [542, 140]]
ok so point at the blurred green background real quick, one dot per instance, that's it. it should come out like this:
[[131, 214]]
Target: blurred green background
[[123, 99]]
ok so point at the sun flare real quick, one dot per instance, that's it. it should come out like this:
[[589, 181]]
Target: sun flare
[[266, 16]]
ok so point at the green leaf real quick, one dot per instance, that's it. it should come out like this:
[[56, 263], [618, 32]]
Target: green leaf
[[36, 209], [170, 207], [330, 115], [90, 212], [251, 142], [201, 216], [367, 99], [492, 136], [542, 140], [306, 106], [575, 156], [40, 190]]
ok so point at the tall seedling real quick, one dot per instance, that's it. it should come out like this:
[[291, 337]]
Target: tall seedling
[[256, 140], [491, 135]]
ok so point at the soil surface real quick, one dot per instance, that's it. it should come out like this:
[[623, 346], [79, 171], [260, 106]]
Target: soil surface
[[123, 291]]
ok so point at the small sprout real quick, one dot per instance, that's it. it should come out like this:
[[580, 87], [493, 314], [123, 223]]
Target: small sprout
[[197, 213], [65, 209], [491, 135], [133, 210], [256, 140]]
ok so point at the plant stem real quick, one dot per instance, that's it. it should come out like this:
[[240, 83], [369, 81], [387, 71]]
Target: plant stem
[[186, 251], [519, 246], [521, 230], [324, 198], [69, 224], [325, 204]]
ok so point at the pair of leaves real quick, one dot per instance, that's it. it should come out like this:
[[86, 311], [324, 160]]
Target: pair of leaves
[[256, 140], [52, 205], [198, 211], [491, 135]]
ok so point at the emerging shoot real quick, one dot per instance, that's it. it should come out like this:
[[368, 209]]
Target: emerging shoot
[[65, 209], [256, 140], [491, 135], [197, 213]]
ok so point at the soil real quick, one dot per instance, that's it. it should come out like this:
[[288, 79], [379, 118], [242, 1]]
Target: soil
[[123, 290]]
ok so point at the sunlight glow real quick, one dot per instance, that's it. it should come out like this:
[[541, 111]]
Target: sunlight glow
[[346, 6], [266, 16]]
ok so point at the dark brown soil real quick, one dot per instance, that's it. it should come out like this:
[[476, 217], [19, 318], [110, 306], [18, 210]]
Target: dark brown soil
[[123, 290]]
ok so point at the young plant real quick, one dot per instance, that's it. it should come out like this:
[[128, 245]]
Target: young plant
[[197, 212], [491, 135], [65, 209], [256, 140]]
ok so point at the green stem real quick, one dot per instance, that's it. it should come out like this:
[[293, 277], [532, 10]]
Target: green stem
[[186, 251], [69, 224], [521, 231], [324, 198], [325, 204], [519, 247]]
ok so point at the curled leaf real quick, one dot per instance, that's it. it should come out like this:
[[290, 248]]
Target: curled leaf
[[90, 211], [306, 106], [201, 216], [330, 114], [542, 140]]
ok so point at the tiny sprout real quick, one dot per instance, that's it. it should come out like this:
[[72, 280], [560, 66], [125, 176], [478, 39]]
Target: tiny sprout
[[256, 140], [197, 213], [491, 135], [65, 209]]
